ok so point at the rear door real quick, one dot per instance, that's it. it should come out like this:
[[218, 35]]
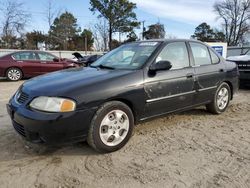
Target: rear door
[[28, 62], [170, 90], [209, 71], [47, 62]]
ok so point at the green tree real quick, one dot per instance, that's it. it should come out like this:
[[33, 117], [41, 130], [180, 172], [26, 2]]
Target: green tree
[[131, 37], [79, 42], [155, 31], [119, 14], [63, 30], [33, 38], [205, 33]]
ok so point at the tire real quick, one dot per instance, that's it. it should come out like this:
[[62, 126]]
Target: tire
[[221, 99], [14, 74], [111, 127]]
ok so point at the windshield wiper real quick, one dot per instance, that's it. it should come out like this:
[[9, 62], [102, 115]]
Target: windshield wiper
[[104, 67]]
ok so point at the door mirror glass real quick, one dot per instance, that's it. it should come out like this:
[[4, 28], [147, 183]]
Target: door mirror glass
[[161, 65]]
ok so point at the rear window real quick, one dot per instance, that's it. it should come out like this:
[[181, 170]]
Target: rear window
[[25, 56]]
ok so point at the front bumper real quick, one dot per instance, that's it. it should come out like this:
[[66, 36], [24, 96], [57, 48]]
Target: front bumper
[[50, 128]]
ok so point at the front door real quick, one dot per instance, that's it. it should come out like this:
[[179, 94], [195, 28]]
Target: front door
[[48, 64], [167, 91]]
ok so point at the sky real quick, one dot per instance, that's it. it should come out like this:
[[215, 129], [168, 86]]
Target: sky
[[180, 17]]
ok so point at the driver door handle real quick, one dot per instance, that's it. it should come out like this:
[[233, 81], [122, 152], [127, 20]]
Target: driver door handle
[[190, 75]]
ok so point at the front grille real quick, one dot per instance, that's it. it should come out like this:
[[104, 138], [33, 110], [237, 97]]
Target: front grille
[[22, 97], [243, 65], [19, 128]]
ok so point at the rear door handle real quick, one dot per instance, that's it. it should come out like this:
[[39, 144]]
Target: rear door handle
[[190, 75], [43, 62]]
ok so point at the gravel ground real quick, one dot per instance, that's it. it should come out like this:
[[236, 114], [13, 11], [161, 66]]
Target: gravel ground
[[190, 149]]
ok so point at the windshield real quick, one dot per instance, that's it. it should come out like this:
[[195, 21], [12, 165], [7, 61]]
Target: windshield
[[129, 56]]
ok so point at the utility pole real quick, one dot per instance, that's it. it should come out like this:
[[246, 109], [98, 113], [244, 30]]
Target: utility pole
[[86, 44], [143, 29]]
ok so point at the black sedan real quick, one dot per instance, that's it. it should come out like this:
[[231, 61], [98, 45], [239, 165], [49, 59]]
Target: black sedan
[[133, 83]]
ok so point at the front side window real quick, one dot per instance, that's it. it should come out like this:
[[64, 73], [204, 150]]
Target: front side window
[[25, 56], [176, 53], [45, 56], [129, 56], [200, 53]]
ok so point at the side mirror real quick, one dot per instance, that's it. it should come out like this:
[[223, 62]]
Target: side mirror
[[56, 60], [161, 65]]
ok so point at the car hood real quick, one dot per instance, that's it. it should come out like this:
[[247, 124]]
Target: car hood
[[77, 55], [60, 82], [239, 58]]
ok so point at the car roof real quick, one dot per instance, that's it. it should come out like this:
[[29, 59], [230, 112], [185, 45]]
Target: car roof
[[29, 51], [169, 40]]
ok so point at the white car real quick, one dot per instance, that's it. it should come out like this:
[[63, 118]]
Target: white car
[[243, 62]]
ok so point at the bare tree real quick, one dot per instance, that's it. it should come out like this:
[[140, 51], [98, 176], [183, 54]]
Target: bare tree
[[235, 15], [101, 34], [14, 17], [14, 20], [51, 12]]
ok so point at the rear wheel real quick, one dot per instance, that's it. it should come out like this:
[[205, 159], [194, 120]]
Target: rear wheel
[[221, 99], [14, 74], [111, 127]]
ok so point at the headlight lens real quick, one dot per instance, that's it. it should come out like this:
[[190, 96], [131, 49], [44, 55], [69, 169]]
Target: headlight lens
[[53, 104]]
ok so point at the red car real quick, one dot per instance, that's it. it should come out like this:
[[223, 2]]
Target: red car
[[18, 65]]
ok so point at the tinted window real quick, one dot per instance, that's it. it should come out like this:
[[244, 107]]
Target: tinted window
[[45, 56], [25, 56], [200, 53], [176, 53], [214, 57]]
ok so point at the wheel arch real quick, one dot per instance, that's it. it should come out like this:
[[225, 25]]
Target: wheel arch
[[129, 104], [231, 88]]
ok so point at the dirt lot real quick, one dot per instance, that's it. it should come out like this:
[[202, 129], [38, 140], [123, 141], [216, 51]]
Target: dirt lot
[[191, 149]]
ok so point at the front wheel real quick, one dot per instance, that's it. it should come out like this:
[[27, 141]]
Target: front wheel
[[111, 127], [221, 99]]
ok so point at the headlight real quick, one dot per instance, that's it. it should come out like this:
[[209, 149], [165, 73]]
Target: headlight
[[53, 104]]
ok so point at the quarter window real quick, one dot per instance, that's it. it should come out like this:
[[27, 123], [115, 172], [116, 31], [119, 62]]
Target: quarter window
[[25, 56], [200, 53], [214, 57], [176, 53]]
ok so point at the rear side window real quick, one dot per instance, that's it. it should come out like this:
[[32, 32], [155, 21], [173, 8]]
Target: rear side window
[[176, 53], [25, 56], [214, 57], [200, 53]]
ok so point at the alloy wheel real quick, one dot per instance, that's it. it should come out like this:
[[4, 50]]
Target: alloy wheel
[[114, 128]]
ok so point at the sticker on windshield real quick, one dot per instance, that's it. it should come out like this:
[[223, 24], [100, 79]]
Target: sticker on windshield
[[148, 44]]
